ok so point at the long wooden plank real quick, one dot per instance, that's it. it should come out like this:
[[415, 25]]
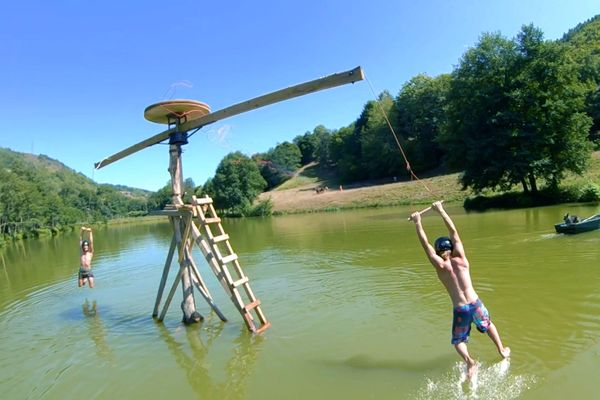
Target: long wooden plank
[[302, 89]]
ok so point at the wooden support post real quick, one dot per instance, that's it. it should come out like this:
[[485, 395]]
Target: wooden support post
[[165, 274], [171, 294], [188, 306], [203, 289]]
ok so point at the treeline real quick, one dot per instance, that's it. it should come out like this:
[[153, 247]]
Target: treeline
[[39, 196], [523, 111]]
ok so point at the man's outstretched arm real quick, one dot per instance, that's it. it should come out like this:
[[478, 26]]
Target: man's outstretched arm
[[91, 240], [429, 250], [452, 231]]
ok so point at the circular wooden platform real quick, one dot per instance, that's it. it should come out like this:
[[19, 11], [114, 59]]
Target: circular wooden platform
[[165, 112]]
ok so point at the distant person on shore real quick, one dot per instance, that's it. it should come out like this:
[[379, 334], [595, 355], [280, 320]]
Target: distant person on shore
[[85, 259], [452, 267]]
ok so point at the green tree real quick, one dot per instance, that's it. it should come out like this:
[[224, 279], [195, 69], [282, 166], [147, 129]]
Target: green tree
[[421, 117], [551, 129], [307, 144], [322, 152], [515, 113], [345, 150], [583, 43], [236, 184], [279, 163], [159, 199], [379, 153]]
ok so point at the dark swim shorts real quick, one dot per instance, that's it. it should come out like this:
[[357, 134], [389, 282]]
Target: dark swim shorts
[[464, 316], [85, 273]]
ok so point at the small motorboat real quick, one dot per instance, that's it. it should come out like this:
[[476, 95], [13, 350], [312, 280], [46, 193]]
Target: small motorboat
[[572, 224]]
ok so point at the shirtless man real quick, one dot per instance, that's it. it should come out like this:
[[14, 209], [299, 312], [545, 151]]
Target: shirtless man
[[452, 267], [85, 259]]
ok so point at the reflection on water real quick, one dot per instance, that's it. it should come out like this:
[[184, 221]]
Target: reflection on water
[[357, 312], [191, 358], [96, 329]]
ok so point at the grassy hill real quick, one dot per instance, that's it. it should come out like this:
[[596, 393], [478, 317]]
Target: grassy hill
[[298, 194]]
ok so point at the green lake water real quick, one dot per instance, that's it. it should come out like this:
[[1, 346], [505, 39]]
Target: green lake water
[[356, 310]]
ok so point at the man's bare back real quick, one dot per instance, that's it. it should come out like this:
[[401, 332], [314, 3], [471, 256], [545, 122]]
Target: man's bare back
[[454, 275]]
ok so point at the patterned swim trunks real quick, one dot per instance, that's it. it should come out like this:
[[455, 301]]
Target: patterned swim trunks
[[85, 273], [464, 316]]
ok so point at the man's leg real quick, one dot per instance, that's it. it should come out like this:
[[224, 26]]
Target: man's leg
[[495, 336], [91, 281], [462, 350]]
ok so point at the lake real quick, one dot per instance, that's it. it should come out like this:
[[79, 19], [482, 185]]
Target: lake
[[356, 310]]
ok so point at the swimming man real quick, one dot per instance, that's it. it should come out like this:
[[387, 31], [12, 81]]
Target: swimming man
[[85, 259], [452, 267]]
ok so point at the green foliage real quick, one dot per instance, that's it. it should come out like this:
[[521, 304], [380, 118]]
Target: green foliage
[[583, 43], [589, 192], [515, 113], [159, 199], [346, 149], [39, 196], [236, 184], [380, 156], [421, 115], [307, 144], [264, 208], [278, 164]]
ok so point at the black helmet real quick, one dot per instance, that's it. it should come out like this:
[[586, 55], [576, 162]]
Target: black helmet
[[442, 244], [85, 243]]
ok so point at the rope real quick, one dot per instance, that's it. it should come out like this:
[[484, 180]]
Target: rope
[[408, 168]]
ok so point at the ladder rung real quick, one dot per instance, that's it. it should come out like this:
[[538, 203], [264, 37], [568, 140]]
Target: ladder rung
[[263, 328], [240, 282], [204, 200], [220, 238], [252, 305], [229, 258], [211, 220]]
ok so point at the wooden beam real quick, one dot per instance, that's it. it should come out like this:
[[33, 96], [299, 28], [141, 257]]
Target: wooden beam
[[302, 89], [165, 273]]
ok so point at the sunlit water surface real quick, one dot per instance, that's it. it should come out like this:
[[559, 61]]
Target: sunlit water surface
[[356, 312]]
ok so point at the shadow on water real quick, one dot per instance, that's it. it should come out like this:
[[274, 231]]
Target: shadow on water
[[418, 367], [238, 369]]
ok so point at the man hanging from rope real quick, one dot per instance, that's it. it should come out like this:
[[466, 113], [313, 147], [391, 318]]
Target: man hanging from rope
[[452, 267], [85, 259]]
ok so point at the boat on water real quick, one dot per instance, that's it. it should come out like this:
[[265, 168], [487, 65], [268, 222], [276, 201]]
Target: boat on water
[[572, 224]]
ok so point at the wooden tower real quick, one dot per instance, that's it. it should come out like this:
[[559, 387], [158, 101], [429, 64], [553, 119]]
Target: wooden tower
[[198, 223]]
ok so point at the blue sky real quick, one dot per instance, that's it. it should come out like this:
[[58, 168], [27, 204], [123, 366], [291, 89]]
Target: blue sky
[[76, 76]]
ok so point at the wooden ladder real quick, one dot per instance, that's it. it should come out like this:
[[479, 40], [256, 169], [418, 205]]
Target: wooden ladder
[[220, 257]]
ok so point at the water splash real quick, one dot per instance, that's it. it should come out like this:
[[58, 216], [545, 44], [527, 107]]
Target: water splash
[[489, 382]]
